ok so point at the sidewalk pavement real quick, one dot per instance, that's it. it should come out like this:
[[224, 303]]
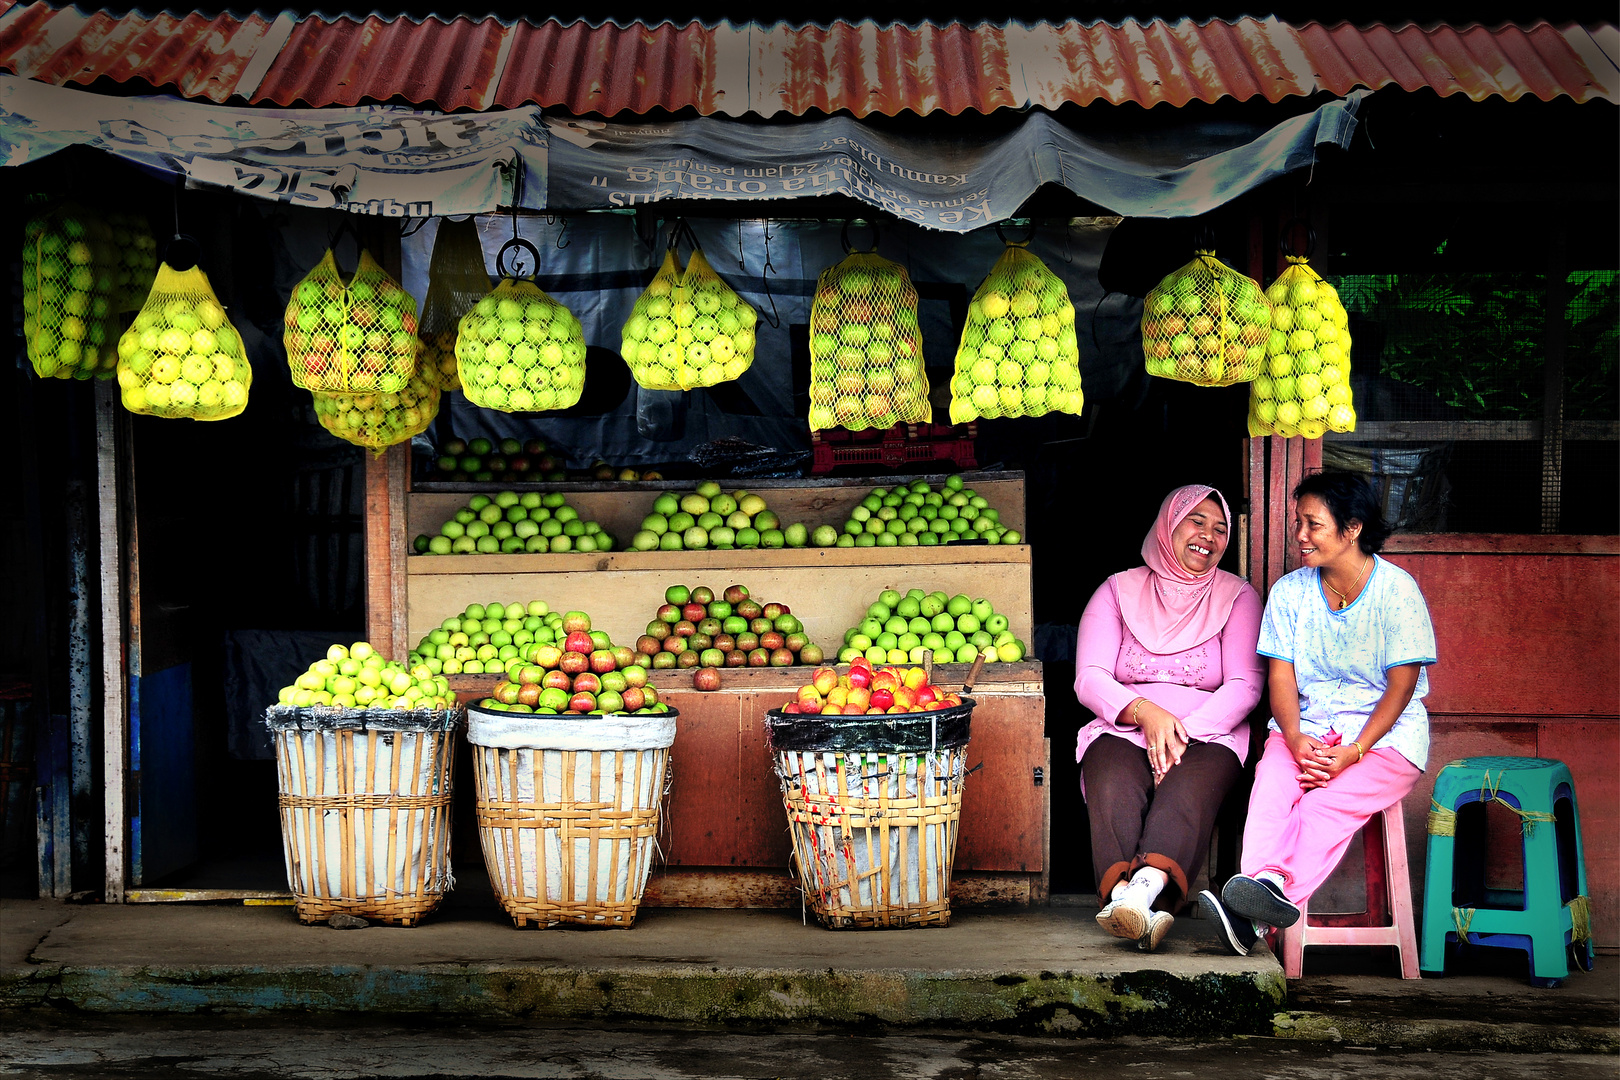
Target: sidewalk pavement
[[1046, 970]]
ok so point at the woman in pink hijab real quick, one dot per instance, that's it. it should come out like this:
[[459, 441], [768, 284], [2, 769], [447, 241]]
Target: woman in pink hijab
[[1167, 663]]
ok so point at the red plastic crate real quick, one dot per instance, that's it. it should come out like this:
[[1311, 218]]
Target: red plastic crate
[[894, 448]]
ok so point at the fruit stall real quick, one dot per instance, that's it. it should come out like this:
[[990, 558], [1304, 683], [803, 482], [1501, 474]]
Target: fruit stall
[[815, 605]]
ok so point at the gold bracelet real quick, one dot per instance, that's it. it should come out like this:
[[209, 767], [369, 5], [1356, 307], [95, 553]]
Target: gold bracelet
[[1136, 709], [1361, 751]]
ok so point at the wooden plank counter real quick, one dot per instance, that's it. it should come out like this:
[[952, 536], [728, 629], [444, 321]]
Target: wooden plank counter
[[725, 842]]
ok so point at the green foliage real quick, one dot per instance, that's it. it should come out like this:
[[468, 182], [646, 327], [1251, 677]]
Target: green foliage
[[1478, 341]]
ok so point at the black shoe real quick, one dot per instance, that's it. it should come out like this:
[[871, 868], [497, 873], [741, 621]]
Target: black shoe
[[1236, 933], [1259, 899]]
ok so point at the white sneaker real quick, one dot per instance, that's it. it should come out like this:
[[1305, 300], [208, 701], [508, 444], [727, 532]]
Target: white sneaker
[[1159, 923], [1124, 920]]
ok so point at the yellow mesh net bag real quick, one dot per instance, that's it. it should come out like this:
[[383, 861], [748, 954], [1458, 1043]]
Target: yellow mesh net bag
[[1305, 389], [378, 421], [1206, 324], [520, 350], [69, 294], [866, 356], [137, 263], [1019, 355], [688, 328], [182, 358], [351, 337], [457, 279]]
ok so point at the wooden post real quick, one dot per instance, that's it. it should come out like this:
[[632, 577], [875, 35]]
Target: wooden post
[[114, 680], [386, 542]]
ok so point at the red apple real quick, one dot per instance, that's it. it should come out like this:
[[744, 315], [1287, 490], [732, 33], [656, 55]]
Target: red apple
[[859, 677], [647, 644], [736, 658], [582, 702], [734, 594], [675, 643], [747, 641], [623, 655], [579, 641], [772, 639], [706, 678], [725, 642], [576, 622], [603, 661], [633, 698], [688, 659], [529, 694], [694, 612], [882, 699], [824, 679], [559, 679], [588, 682], [759, 657], [574, 663], [685, 628], [781, 657], [669, 613], [772, 610]]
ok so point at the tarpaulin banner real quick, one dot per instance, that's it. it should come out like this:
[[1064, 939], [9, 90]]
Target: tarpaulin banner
[[386, 160], [936, 177]]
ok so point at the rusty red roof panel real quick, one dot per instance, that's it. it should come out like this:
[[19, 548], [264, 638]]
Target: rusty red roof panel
[[611, 69], [450, 64], [200, 56], [861, 67], [1508, 61]]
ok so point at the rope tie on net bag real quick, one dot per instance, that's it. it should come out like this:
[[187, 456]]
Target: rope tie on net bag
[[1461, 918], [1580, 919]]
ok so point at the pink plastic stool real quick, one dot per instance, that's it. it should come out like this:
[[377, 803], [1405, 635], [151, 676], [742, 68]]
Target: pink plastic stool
[[1388, 919]]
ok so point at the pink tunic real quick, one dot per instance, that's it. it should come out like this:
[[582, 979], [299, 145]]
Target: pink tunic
[[1211, 687]]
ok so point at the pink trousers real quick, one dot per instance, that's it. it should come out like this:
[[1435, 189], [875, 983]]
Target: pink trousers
[[1302, 834]]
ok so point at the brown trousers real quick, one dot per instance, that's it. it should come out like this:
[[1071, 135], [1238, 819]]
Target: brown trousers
[[1135, 824]]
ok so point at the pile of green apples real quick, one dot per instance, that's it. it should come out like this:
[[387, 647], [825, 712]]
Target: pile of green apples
[[918, 515], [510, 524], [914, 627], [487, 638], [710, 517], [357, 676]]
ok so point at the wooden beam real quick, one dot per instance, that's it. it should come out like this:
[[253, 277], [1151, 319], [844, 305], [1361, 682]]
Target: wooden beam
[[115, 682], [385, 544]]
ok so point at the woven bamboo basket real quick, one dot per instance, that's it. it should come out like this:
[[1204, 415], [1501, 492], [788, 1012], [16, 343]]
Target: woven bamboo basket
[[365, 809], [569, 810], [873, 806]]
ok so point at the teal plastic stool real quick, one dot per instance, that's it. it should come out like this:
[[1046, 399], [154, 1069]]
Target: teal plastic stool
[[1551, 919]]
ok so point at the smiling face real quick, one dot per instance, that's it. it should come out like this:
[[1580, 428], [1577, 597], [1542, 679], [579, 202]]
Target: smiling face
[[1199, 539], [1322, 542]]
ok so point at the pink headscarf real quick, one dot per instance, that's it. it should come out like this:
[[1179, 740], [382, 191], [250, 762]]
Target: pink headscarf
[[1168, 608]]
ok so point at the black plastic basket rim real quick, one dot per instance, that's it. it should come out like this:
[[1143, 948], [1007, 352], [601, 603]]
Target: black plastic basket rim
[[940, 729], [332, 718]]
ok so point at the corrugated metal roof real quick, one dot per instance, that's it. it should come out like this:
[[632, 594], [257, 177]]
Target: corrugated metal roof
[[860, 67]]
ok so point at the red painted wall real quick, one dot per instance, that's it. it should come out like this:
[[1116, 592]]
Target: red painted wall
[[1528, 633]]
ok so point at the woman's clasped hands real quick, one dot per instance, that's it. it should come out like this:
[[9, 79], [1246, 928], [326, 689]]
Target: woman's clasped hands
[[1320, 760], [1165, 735]]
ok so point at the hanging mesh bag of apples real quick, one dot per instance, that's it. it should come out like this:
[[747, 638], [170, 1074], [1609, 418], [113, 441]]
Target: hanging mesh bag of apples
[[1019, 355], [351, 337], [181, 358], [518, 349], [1205, 324], [457, 279], [137, 259], [866, 355], [69, 278], [688, 328], [1305, 389], [378, 420]]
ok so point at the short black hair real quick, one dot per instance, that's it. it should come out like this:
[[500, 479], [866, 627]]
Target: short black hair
[[1349, 497]]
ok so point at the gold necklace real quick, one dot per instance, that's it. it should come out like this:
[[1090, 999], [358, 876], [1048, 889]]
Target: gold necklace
[[1344, 597]]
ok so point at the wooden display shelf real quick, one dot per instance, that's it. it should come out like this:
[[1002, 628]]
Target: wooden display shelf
[[725, 841], [621, 507], [829, 589]]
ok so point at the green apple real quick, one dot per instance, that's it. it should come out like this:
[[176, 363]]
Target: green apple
[[983, 609]]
